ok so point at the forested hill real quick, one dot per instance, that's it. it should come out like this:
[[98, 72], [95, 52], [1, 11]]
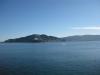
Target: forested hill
[[45, 38], [34, 38]]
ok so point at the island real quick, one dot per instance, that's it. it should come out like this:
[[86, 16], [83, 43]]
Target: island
[[36, 38]]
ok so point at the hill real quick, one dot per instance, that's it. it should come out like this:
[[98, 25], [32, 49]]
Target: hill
[[45, 38], [83, 38], [34, 38]]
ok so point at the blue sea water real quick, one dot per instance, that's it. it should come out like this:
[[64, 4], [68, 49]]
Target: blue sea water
[[70, 58]]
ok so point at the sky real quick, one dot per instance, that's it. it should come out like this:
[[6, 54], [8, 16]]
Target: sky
[[52, 17]]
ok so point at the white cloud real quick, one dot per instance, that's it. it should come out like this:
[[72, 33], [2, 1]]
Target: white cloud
[[87, 28]]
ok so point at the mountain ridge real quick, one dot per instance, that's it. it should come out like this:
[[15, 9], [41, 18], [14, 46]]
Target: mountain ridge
[[35, 38]]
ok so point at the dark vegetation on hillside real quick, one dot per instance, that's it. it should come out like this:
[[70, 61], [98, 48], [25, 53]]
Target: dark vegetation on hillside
[[45, 38]]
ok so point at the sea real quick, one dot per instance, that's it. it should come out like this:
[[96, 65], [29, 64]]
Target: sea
[[54, 58]]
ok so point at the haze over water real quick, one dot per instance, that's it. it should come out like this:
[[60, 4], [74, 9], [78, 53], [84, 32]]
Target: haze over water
[[61, 18], [70, 58]]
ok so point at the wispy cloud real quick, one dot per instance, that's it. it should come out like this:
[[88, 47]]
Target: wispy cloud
[[87, 28]]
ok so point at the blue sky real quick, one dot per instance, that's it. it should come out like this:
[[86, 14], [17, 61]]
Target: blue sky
[[53, 17]]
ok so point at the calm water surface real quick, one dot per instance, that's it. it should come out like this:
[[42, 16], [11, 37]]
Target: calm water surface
[[71, 58]]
